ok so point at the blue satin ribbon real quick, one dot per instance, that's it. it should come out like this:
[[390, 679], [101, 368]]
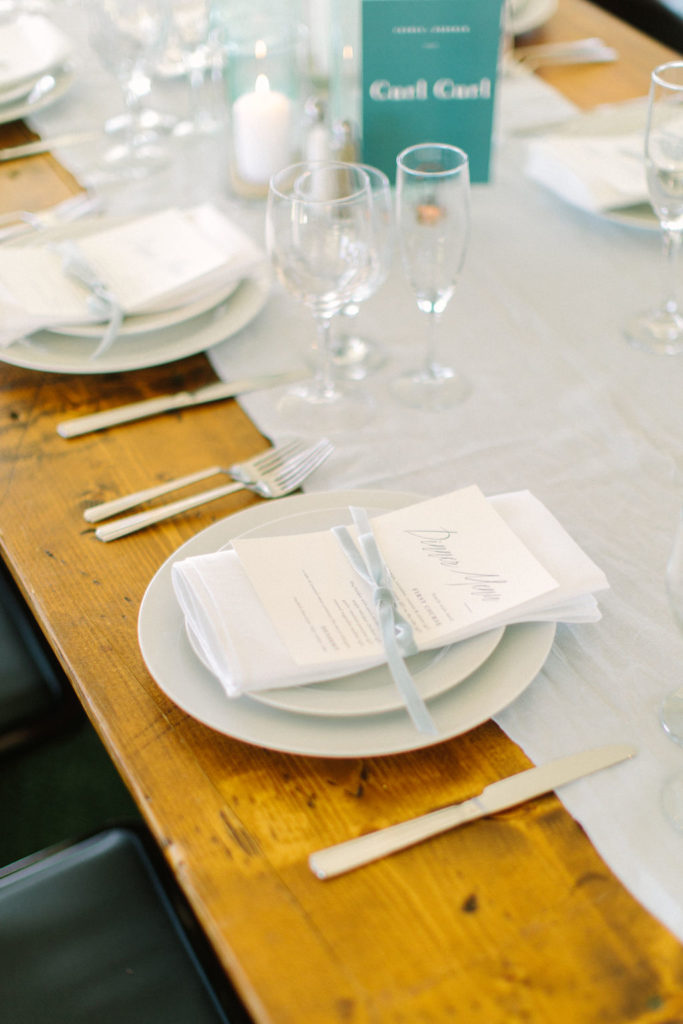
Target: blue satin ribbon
[[101, 303], [396, 632]]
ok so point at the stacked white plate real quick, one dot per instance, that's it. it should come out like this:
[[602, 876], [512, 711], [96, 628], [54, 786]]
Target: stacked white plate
[[35, 65], [526, 15], [357, 716], [145, 340]]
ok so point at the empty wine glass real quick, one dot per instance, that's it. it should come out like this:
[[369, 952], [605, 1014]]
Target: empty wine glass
[[433, 214], [661, 329], [320, 239], [128, 37], [194, 49], [353, 355], [671, 708]]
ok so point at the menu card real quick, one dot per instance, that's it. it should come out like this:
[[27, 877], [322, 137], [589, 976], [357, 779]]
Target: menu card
[[153, 263], [453, 562], [429, 70]]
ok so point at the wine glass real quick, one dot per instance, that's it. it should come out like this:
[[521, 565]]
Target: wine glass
[[193, 49], [671, 708], [661, 329], [129, 37], [319, 235], [353, 355], [433, 215]]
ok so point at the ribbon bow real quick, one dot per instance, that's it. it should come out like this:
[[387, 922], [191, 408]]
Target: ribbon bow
[[396, 631], [102, 303]]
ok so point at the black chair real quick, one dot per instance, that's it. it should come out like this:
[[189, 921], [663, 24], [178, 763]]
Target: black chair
[[97, 932], [36, 699]]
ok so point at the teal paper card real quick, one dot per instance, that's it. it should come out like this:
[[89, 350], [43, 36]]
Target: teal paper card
[[429, 71]]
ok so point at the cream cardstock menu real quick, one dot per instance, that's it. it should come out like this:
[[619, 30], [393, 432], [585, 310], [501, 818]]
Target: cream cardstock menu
[[453, 562], [152, 263]]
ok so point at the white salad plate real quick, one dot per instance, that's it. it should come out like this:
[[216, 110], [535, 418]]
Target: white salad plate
[[144, 323], [48, 89], [461, 703]]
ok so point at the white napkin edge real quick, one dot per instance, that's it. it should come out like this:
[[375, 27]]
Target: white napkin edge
[[571, 602], [595, 174]]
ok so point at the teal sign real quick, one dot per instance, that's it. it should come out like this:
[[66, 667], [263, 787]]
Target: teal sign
[[429, 71]]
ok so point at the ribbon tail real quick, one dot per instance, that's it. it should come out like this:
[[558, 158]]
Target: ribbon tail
[[111, 332], [415, 706]]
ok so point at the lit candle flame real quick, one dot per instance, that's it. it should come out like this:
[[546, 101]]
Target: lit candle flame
[[262, 84], [347, 52], [260, 49]]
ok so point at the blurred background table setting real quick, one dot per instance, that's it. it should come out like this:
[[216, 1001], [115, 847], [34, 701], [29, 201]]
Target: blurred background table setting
[[507, 368]]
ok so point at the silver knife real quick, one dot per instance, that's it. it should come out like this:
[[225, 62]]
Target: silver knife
[[47, 145], [166, 403], [335, 860]]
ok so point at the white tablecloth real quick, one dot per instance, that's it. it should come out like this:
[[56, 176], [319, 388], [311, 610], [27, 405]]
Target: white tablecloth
[[561, 405]]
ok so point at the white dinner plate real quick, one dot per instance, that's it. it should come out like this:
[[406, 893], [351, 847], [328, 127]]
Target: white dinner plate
[[526, 15], [373, 691], [25, 106], [144, 323], [514, 663], [65, 353]]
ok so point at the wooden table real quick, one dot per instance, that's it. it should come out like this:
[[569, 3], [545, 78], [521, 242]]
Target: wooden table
[[511, 919]]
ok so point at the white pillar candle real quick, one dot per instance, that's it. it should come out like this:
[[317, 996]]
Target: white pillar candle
[[261, 132]]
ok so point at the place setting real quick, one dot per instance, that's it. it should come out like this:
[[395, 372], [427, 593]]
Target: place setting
[[37, 66], [364, 622], [125, 293]]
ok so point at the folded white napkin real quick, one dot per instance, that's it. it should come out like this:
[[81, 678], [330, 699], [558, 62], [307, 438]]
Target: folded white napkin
[[595, 173], [150, 264], [235, 638], [29, 46]]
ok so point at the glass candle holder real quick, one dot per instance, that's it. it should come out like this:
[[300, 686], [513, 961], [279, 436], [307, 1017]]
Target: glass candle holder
[[264, 58]]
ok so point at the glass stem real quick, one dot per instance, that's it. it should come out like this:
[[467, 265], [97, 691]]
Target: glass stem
[[671, 248], [324, 378], [432, 331]]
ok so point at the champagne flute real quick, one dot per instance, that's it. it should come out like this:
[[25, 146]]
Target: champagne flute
[[353, 355], [320, 238], [433, 213], [671, 708], [660, 330], [129, 38]]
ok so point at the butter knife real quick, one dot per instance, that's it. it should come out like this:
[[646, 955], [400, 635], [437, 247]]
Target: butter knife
[[166, 403], [499, 796]]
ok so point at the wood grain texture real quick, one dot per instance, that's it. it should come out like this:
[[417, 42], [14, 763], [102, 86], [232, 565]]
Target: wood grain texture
[[512, 919]]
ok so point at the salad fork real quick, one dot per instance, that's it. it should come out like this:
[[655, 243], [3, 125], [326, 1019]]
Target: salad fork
[[244, 472], [268, 483]]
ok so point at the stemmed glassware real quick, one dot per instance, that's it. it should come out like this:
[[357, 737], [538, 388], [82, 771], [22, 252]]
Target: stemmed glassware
[[129, 37], [661, 329], [320, 237], [671, 709], [355, 356], [192, 40], [433, 216]]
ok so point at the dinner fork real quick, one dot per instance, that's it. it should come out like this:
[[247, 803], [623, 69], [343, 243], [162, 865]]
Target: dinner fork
[[244, 472], [269, 484]]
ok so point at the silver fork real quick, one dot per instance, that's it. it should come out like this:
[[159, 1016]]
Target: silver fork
[[244, 472], [273, 483]]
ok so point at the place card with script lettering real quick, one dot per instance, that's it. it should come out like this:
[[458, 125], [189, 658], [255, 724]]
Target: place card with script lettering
[[454, 565], [429, 70]]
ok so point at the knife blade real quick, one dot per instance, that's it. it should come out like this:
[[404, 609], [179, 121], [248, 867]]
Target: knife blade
[[167, 403], [498, 796]]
